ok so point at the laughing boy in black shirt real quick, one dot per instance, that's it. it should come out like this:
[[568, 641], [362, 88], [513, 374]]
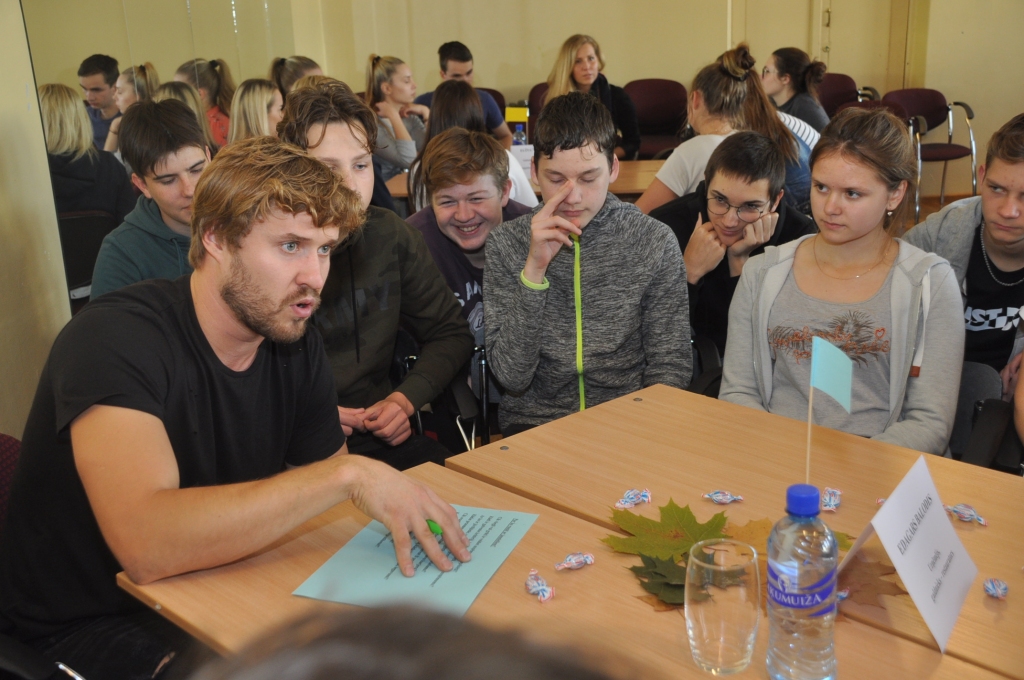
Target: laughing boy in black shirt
[[181, 425]]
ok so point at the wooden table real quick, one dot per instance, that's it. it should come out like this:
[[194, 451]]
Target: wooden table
[[634, 178], [595, 608], [681, 445]]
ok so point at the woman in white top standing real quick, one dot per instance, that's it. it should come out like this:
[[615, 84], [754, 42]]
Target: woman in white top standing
[[892, 308], [390, 91]]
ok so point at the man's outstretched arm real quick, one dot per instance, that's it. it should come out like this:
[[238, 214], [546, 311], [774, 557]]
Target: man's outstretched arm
[[156, 529]]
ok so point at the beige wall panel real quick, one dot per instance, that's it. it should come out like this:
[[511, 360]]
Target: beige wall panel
[[62, 33], [158, 32], [859, 40], [767, 25], [33, 295], [975, 54]]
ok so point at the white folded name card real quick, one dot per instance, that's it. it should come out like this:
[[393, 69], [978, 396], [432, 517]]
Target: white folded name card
[[923, 546]]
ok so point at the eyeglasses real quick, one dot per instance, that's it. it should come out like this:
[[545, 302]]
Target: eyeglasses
[[765, 71], [746, 213]]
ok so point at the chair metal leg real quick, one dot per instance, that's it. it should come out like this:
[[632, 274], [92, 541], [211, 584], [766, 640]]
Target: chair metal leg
[[942, 187], [485, 399]]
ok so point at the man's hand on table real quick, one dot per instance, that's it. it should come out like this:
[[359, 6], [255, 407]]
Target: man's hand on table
[[404, 505]]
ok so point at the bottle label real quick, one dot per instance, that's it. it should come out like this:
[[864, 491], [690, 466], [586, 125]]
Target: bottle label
[[784, 589]]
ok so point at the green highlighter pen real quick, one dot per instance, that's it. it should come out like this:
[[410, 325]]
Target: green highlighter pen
[[435, 527]]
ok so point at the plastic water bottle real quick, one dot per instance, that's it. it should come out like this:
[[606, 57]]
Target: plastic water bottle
[[802, 560], [519, 136]]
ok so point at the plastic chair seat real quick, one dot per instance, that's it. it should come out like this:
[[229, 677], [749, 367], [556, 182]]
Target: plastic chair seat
[[943, 152]]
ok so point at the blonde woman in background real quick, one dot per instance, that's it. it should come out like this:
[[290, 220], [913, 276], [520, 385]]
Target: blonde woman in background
[[285, 72], [578, 68], [135, 84], [258, 107], [212, 79], [188, 95], [390, 91], [83, 177]]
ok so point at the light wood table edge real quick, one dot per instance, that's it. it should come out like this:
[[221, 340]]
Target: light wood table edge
[[132, 589]]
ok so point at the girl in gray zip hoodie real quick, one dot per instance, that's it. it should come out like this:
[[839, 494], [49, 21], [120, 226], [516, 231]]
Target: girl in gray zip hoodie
[[904, 339]]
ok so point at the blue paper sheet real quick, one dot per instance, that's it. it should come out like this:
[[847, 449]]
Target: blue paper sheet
[[365, 571]]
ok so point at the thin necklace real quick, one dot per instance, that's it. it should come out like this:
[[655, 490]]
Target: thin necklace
[[814, 249], [988, 266]]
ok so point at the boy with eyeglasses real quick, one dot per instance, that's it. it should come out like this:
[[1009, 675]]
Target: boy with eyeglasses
[[734, 213]]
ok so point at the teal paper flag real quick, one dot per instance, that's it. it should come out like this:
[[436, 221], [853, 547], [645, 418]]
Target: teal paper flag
[[831, 371]]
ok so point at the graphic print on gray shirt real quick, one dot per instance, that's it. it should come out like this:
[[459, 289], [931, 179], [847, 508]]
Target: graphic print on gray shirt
[[860, 329]]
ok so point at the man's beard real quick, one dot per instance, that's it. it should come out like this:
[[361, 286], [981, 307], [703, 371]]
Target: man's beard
[[257, 311]]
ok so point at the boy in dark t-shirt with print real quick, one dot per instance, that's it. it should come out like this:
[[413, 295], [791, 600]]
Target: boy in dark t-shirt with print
[[181, 425], [983, 239]]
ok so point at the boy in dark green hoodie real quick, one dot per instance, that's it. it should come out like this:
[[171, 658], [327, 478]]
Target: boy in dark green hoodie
[[163, 143], [382, 278]]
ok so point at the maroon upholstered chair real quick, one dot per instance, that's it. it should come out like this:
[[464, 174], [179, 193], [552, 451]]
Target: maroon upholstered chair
[[10, 449], [895, 107], [931, 107], [660, 112], [499, 98], [536, 102], [837, 89]]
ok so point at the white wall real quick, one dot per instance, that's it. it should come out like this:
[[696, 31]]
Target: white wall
[[33, 295]]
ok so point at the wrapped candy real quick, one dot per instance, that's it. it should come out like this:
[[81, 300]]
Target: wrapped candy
[[996, 588], [842, 594], [722, 497], [830, 501], [633, 497], [966, 513], [535, 585], [576, 560], [879, 501]]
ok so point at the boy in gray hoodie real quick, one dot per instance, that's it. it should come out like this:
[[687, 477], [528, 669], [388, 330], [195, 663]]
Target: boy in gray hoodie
[[163, 143], [983, 239], [585, 296]]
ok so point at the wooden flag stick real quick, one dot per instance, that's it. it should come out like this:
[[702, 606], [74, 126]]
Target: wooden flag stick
[[810, 414]]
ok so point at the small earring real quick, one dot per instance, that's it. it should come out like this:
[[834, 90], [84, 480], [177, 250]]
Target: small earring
[[889, 213]]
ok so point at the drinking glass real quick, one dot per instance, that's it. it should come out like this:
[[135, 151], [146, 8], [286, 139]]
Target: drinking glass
[[722, 604]]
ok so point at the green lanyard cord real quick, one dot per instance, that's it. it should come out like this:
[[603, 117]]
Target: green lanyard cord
[[579, 315]]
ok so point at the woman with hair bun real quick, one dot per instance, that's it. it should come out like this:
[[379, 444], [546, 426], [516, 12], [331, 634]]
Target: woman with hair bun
[[892, 308], [135, 84], [286, 71], [791, 79], [726, 97], [212, 79]]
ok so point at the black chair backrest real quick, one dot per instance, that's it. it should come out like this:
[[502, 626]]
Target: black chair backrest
[[10, 450], [81, 234]]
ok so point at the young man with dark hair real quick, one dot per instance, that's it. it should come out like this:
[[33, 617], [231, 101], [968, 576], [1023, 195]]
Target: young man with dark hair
[[165, 147], [586, 296], [734, 213], [98, 75], [983, 239], [382, 280], [182, 425], [457, 64]]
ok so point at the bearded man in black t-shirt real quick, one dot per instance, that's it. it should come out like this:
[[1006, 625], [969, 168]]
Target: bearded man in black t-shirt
[[181, 425]]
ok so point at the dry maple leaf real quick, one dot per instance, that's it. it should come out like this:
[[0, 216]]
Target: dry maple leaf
[[864, 579], [667, 539]]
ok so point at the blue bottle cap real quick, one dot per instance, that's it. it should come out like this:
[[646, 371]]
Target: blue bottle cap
[[803, 500]]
